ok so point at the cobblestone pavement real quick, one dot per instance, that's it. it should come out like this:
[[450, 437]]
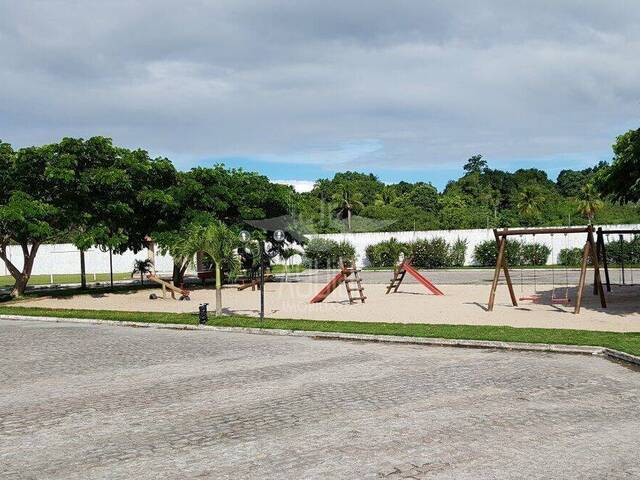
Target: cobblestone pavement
[[88, 402]]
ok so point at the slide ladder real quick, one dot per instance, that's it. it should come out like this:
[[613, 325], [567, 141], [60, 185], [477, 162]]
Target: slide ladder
[[350, 276], [399, 273]]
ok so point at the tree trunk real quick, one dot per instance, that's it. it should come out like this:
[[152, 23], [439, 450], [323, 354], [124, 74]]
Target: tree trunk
[[218, 289], [349, 218], [21, 277], [141, 278], [179, 270], [83, 273]]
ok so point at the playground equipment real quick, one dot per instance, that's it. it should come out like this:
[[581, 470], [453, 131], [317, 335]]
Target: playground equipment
[[602, 253], [401, 270], [344, 276], [589, 251], [184, 294]]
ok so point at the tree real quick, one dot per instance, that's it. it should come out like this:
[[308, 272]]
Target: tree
[[621, 179], [344, 201], [219, 242], [286, 253], [529, 201], [142, 267], [589, 201], [475, 164]]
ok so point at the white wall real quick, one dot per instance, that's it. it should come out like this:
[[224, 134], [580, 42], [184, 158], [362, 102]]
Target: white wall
[[65, 258], [555, 242]]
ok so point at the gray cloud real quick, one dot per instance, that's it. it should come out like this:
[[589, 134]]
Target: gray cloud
[[425, 82]]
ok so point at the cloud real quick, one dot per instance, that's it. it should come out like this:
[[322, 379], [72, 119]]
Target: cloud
[[298, 185], [358, 84]]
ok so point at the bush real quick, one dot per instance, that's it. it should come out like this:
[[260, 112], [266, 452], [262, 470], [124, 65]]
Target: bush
[[534, 254], [627, 251], [571, 257], [458, 252], [518, 253], [325, 253], [486, 253], [434, 253], [387, 253]]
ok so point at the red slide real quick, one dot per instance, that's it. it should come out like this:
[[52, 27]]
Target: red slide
[[414, 273], [328, 288]]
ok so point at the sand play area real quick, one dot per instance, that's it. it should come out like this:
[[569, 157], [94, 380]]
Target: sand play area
[[461, 304]]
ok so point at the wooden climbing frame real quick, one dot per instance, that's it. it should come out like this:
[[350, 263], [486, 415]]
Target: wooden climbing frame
[[589, 251]]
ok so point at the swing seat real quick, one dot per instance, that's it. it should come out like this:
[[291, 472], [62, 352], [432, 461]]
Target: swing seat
[[531, 298], [561, 301]]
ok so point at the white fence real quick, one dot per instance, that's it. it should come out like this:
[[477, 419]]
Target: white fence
[[65, 258], [473, 237]]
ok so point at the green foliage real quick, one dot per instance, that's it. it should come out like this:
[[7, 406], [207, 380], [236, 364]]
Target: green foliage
[[387, 253], [458, 252], [433, 253], [571, 257], [621, 179], [518, 253], [326, 253], [627, 251]]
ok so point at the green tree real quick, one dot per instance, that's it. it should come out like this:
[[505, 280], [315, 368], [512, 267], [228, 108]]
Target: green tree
[[219, 242], [529, 201], [589, 201], [142, 267], [344, 202], [621, 179], [475, 164]]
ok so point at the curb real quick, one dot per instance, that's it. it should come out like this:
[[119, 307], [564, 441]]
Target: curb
[[440, 342]]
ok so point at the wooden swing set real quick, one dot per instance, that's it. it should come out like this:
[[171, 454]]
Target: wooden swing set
[[590, 250]]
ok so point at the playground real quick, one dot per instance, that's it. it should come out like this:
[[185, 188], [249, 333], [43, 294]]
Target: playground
[[464, 302]]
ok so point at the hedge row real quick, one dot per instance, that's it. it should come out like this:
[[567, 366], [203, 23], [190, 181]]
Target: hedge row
[[433, 253], [518, 253], [325, 253]]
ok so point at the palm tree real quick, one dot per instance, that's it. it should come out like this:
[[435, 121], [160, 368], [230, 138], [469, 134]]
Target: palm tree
[[286, 253], [528, 201], [142, 267], [344, 202], [589, 201], [220, 243]]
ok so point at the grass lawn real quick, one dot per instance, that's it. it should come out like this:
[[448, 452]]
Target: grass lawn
[[8, 281], [626, 342], [291, 269]]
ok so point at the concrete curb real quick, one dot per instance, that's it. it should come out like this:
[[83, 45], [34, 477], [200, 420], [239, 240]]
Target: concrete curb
[[441, 342]]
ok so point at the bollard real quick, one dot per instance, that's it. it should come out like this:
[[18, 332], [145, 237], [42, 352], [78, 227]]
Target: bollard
[[202, 314]]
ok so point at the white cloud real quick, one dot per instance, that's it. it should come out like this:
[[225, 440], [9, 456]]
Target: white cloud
[[406, 84], [298, 185]]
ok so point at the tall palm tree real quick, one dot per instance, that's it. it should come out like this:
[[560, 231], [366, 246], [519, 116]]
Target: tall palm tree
[[344, 201], [142, 267], [589, 202], [286, 254], [528, 201], [220, 243]]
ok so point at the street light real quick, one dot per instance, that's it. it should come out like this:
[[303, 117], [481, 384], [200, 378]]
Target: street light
[[265, 251]]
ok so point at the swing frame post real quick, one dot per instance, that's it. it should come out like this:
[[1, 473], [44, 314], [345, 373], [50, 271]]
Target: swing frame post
[[590, 250], [601, 252], [605, 265]]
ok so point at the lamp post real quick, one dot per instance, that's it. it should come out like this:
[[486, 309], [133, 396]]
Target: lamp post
[[266, 252]]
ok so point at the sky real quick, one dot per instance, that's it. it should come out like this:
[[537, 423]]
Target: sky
[[299, 90]]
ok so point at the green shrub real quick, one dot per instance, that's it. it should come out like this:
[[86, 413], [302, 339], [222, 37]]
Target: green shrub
[[387, 253], [458, 252], [434, 253], [486, 253], [326, 253], [534, 254], [627, 251], [571, 257]]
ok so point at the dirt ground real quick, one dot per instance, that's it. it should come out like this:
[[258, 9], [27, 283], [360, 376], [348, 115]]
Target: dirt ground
[[461, 304]]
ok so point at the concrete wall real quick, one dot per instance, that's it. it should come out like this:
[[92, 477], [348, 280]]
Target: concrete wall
[[65, 258], [555, 242]]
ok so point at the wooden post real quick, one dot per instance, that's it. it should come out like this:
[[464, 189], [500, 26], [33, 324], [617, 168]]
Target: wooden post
[[603, 255], [83, 273], [596, 268], [505, 268], [583, 277], [496, 273]]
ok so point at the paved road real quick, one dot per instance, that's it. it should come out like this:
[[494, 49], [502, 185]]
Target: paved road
[[98, 402]]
